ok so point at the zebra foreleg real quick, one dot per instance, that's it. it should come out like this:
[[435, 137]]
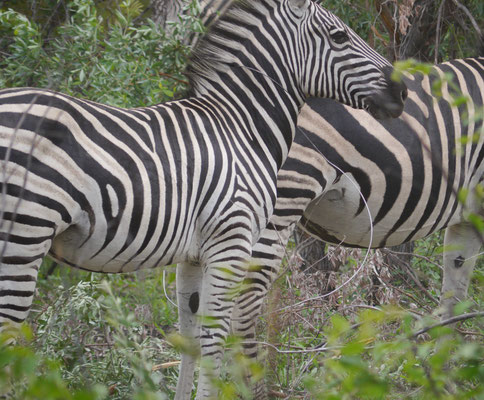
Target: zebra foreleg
[[189, 286], [247, 310], [462, 243]]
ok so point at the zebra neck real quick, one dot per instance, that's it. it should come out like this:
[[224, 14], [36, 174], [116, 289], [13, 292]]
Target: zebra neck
[[246, 59], [269, 112]]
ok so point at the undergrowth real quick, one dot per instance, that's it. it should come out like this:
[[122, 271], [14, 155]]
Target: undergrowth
[[112, 337], [370, 339]]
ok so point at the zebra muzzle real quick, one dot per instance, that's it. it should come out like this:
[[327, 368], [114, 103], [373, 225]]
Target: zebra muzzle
[[389, 101]]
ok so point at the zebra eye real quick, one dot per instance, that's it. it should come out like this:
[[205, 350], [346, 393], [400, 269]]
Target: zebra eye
[[339, 37]]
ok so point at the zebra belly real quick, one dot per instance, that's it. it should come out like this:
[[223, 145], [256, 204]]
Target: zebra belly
[[338, 217], [125, 250]]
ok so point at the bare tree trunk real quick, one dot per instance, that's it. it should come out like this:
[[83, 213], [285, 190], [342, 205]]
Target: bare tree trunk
[[164, 11]]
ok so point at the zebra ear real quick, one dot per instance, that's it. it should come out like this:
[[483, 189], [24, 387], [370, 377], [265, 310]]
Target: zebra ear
[[299, 6]]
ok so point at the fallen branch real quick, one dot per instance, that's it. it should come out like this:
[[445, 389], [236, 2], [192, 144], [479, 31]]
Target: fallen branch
[[165, 365]]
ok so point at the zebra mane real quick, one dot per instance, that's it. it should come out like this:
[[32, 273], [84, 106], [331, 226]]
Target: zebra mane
[[215, 50]]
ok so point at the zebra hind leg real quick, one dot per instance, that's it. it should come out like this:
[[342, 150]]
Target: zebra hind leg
[[19, 266], [264, 269], [189, 286], [246, 312], [462, 244], [221, 285]]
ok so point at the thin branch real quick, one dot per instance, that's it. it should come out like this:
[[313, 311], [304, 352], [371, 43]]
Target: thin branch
[[469, 15], [449, 321], [412, 275], [316, 349], [425, 258], [469, 333], [437, 32], [169, 76]]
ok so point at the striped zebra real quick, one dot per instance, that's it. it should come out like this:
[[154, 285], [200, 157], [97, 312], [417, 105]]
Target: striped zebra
[[191, 181], [408, 170]]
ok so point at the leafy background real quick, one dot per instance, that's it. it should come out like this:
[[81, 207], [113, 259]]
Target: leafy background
[[93, 336]]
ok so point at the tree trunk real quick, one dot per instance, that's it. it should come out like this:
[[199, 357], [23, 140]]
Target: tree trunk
[[165, 11]]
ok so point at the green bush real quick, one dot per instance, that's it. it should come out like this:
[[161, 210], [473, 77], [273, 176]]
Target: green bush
[[365, 361], [122, 63], [88, 343]]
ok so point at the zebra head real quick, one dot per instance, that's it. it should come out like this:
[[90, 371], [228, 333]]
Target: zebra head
[[336, 63], [299, 47]]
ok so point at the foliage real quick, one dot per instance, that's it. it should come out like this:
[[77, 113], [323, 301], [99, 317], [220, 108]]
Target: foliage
[[365, 361], [25, 375], [98, 340], [411, 28], [327, 348], [86, 56]]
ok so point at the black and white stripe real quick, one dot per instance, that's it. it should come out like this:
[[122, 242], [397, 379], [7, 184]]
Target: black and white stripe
[[191, 181], [408, 170]]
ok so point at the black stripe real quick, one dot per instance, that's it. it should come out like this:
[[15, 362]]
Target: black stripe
[[14, 307], [11, 318], [20, 260], [24, 240], [16, 293], [18, 278], [25, 194]]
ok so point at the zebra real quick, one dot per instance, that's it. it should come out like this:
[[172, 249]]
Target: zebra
[[408, 170], [191, 181]]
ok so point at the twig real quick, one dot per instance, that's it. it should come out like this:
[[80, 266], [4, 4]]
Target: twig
[[449, 321], [413, 277], [437, 32], [316, 349], [165, 365], [279, 395], [173, 78], [327, 294], [298, 380], [425, 258], [469, 15], [469, 333], [409, 295], [341, 310]]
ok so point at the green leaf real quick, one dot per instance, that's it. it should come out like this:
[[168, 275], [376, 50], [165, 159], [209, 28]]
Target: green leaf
[[477, 221]]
